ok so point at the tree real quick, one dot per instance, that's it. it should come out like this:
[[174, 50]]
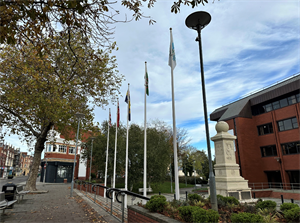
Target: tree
[[35, 21], [42, 91], [158, 150]]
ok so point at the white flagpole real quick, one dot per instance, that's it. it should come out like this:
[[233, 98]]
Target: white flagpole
[[126, 160], [145, 140], [115, 158], [173, 63], [105, 179]]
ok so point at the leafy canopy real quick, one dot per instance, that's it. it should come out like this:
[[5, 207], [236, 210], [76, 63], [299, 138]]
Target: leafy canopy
[[39, 91]]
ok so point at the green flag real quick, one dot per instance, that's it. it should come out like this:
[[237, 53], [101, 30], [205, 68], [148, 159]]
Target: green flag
[[147, 86]]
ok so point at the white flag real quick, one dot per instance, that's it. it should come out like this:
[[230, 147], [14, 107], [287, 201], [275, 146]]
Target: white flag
[[172, 58]]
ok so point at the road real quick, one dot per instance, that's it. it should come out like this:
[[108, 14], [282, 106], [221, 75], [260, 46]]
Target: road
[[15, 180]]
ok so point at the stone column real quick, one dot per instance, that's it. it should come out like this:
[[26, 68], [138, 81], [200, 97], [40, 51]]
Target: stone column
[[227, 175]]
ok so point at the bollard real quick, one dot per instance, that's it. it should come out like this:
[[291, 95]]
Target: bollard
[[254, 195], [282, 199], [95, 195], [123, 206], [186, 195], [159, 193], [292, 200], [86, 190], [174, 196]]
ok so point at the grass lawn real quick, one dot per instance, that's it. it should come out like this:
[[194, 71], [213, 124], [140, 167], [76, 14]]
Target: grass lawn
[[166, 187]]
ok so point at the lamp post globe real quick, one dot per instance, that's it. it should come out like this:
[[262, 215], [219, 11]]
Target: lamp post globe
[[79, 116], [197, 21]]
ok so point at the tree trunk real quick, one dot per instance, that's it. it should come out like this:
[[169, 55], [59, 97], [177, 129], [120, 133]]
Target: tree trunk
[[38, 149], [31, 182]]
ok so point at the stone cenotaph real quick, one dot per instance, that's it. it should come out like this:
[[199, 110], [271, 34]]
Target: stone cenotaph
[[227, 174]]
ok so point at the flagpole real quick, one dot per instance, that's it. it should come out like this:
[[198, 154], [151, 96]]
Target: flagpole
[[126, 160], [174, 122], [105, 179], [115, 157], [145, 140]]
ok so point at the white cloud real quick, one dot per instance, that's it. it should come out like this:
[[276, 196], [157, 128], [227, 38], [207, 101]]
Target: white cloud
[[248, 45]]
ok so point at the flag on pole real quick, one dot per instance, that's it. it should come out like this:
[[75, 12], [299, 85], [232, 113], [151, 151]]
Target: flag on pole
[[109, 122], [127, 100], [147, 83], [172, 57], [118, 117]]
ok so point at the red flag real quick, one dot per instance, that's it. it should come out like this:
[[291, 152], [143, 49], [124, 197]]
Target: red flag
[[118, 118]]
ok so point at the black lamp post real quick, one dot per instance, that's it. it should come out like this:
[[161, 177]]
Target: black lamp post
[[197, 21]]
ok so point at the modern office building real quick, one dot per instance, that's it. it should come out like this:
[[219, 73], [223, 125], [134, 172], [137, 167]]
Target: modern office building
[[266, 124]]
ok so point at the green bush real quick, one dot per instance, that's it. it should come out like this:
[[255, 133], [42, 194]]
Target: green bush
[[193, 197], [156, 203], [287, 206], [292, 215], [201, 215], [245, 217], [93, 175], [223, 201], [185, 212], [266, 204]]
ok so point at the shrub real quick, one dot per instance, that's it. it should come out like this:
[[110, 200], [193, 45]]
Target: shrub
[[193, 197], [186, 212], [287, 206], [246, 217], [201, 215], [178, 203], [232, 200], [93, 175], [156, 203], [266, 204], [292, 215]]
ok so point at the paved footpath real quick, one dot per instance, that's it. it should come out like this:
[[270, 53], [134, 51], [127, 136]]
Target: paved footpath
[[54, 206]]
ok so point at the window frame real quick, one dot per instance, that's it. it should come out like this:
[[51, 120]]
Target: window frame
[[64, 147], [268, 127], [286, 151], [70, 147], [293, 122]]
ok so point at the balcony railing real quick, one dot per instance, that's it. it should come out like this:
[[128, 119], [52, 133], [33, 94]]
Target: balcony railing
[[274, 185]]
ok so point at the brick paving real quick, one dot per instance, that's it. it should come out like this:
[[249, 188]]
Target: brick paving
[[54, 206]]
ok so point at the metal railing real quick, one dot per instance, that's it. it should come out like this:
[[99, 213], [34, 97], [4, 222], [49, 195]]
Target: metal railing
[[116, 209], [275, 185]]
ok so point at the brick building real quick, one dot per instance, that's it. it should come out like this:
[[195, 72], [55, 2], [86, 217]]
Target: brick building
[[25, 163], [9, 159], [266, 124], [59, 160]]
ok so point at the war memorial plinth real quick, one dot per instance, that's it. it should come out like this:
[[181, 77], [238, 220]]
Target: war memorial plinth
[[227, 174]]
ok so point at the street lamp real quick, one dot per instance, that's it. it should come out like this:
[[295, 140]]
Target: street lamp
[[79, 116], [197, 21], [91, 160]]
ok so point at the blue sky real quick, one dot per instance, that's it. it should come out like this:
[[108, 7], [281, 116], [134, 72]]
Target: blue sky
[[247, 46]]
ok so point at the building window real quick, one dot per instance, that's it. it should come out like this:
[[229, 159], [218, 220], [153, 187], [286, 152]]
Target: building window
[[275, 105], [62, 149], [291, 148], [298, 97], [268, 151], [54, 148], [71, 150], [287, 124], [292, 100], [49, 148], [268, 107], [265, 129], [283, 102]]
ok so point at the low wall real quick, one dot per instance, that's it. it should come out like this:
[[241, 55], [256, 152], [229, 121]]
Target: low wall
[[276, 194], [88, 188], [140, 214]]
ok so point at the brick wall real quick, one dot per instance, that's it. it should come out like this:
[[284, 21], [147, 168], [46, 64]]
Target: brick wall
[[276, 194], [140, 214]]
